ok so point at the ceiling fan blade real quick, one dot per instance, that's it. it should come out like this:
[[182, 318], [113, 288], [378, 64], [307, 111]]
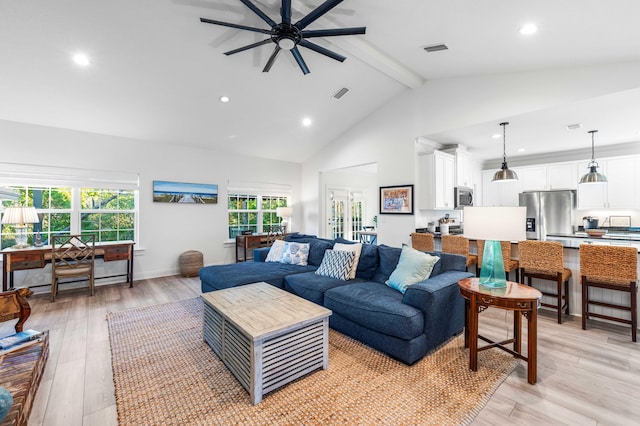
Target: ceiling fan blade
[[272, 59], [247, 47], [296, 54], [286, 11], [258, 12], [240, 27], [316, 13], [322, 50], [334, 32]]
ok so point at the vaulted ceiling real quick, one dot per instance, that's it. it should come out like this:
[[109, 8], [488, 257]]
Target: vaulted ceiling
[[157, 73]]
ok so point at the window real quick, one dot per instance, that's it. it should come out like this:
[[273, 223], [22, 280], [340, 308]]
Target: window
[[107, 213], [255, 213]]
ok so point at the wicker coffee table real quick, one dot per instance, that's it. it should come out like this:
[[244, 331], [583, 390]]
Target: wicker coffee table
[[265, 336]]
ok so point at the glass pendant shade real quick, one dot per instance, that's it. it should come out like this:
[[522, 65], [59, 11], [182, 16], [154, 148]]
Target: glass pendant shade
[[504, 174], [593, 176]]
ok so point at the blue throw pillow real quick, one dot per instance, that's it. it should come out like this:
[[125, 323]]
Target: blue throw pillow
[[414, 266], [295, 253], [336, 264]]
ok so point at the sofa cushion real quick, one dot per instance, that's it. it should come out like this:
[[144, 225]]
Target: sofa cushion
[[311, 286], [388, 258], [336, 264], [414, 266], [368, 262], [295, 253], [219, 277], [377, 307], [317, 246]]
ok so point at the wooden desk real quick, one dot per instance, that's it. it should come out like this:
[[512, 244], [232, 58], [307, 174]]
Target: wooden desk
[[38, 257], [520, 299]]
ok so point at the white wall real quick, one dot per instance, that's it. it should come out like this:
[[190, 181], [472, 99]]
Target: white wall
[[166, 230], [387, 136]]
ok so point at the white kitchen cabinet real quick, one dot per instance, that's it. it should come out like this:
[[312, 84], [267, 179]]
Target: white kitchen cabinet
[[464, 169], [562, 176], [531, 178], [621, 190], [436, 177], [498, 193]]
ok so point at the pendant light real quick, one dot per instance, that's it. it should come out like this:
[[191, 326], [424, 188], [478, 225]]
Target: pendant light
[[504, 175], [593, 176]]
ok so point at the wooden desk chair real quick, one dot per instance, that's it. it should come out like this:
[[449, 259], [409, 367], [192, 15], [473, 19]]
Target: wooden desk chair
[[13, 304], [612, 268], [72, 256], [422, 242], [543, 260], [368, 238], [457, 244], [509, 263]]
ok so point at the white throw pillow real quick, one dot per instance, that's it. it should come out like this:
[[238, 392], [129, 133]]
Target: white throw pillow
[[355, 248], [275, 252]]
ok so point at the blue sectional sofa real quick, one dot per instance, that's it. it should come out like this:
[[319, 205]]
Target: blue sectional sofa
[[405, 326]]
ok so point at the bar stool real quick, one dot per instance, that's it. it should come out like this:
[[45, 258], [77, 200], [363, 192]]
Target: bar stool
[[422, 241], [457, 244], [509, 263], [613, 268], [544, 260]]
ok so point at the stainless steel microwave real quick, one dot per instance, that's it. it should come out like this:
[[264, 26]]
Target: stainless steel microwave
[[463, 197]]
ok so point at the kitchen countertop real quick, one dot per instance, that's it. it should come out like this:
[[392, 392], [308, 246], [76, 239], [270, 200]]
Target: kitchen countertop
[[575, 240]]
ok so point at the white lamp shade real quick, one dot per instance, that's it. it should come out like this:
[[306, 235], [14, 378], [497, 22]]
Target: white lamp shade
[[20, 215], [495, 223], [284, 211]]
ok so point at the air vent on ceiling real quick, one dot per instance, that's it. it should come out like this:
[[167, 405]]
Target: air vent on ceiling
[[340, 93], [575, 126], [436, 48]]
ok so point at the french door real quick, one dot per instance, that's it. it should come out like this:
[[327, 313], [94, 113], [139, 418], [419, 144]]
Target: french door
[[345, 213]]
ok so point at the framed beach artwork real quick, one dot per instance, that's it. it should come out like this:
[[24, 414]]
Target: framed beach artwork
[[396, 199], [188, 193]]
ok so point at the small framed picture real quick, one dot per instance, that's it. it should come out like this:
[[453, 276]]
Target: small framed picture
[[396, 199]]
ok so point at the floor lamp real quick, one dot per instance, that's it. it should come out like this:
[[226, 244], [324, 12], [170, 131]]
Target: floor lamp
[[494, 224]]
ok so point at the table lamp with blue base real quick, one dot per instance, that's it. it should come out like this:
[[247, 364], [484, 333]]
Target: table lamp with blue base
[[493, 225]]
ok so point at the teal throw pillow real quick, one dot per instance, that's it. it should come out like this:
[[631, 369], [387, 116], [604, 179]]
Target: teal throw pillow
[[295, 253], [336, 264], [414, 266]]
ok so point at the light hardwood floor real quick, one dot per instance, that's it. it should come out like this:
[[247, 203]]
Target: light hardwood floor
[[584, 377]]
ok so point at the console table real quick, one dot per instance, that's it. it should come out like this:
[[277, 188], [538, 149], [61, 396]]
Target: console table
[[37, 257], [521, 299]]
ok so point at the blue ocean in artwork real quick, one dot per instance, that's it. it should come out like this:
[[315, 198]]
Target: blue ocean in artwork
[[180, 192]]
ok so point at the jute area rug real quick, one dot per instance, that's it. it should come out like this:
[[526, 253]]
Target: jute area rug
[[165, 374]]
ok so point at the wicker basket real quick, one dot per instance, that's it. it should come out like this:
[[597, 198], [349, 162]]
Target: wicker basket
[[190, 263]]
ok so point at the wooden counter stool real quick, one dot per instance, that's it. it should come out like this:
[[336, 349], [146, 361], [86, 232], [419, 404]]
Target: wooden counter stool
[[509, 263], [543, 260], [457, 244], [613, 268], [422, 241]]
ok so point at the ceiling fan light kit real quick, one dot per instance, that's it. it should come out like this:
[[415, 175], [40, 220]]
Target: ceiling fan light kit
[[288, 36]]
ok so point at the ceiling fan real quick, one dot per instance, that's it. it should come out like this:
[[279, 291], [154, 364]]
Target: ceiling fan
[[289, 36]]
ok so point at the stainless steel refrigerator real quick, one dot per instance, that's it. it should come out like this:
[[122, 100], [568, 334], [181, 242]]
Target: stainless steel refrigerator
[[549, 212]]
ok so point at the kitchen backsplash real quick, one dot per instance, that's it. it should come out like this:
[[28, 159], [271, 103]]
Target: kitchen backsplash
[[604, 216]]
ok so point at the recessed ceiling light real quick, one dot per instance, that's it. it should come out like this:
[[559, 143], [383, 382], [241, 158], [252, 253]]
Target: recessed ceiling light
[[496, 136], [574, 126], [224, 99], [81, 59], [306, 122], [528, 29], [521, 149]]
